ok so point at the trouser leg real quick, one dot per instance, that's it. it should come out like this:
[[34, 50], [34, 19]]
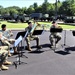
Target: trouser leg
[[58, 38], [7, 48], [11, 41], [6, 42], [37, 42], [15, 50], [28, 43], [51, 39], [3, 57]]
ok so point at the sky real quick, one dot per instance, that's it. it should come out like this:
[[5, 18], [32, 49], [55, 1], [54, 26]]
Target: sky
[[23, 3]]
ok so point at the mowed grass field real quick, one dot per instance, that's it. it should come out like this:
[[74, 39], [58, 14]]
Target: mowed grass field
[[24, 25], [13, 25]]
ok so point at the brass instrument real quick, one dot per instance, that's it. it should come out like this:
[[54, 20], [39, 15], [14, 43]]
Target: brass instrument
[[30, 32]]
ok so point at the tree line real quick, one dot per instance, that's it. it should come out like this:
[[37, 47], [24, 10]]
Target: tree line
[[66, 7]]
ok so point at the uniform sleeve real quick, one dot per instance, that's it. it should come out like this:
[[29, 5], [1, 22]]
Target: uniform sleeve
[[26, 28], [9, 34]]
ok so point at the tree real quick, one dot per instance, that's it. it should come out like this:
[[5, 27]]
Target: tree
[[68, 7], [24, 9], [71, 6], [59, 4], [30, 10], [35, 6], [51, 10], [45, 7], [4, 11], [13, 11], [73, 9], [1, 7], [38, 9]]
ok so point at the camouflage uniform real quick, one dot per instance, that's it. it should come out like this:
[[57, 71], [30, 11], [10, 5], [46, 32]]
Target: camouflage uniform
[[8, 34], [3, 57], [31, 37], [55, 35], [6, 41]]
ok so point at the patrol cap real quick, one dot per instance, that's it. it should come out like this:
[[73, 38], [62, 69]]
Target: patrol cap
[[29, 22]]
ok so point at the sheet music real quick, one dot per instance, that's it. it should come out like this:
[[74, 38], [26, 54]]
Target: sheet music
[[18, 41]]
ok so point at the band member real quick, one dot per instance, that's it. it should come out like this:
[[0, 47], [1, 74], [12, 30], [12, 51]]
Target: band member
[[7, 34], [3, 58], [55, 35], [30, 37]]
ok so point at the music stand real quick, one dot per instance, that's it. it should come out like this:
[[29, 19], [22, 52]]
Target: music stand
[[65, 38], [18, 40], [37, 32], [20, 34], [64, 45], [55, 30], [73, 32], [23, 33]]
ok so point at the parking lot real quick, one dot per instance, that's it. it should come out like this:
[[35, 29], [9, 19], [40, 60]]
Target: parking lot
[[45, 61]]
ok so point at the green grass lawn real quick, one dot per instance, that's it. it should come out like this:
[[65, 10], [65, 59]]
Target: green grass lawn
[[13, 25], [64, 26], [23, 25]]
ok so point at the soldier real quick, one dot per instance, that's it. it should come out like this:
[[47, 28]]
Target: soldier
[[7, 34], [55, 35], [30, 37], [3, 58]]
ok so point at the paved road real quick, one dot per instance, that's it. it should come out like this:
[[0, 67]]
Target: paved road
[[45, 61]]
